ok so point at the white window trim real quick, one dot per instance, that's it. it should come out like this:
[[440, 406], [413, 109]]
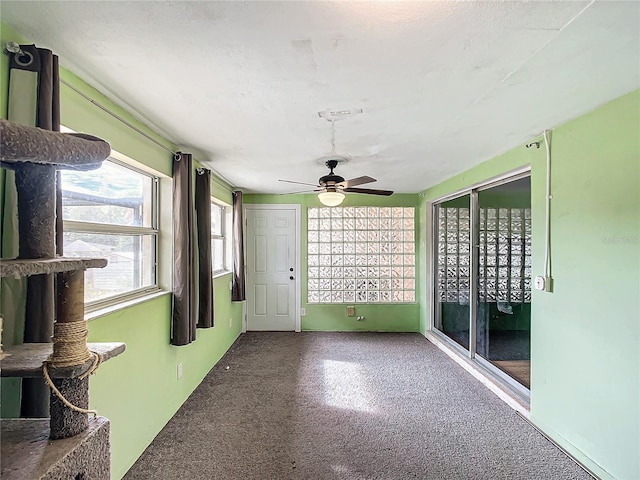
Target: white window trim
[[162, 209], [164, 249], [225, 236]]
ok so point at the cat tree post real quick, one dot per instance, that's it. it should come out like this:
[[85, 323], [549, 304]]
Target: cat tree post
[[64, 421], [35, 186]]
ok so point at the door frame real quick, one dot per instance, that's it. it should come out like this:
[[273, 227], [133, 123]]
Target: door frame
[[297, 243]]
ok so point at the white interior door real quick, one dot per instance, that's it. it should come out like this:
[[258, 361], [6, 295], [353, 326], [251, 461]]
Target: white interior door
[[272, 276]]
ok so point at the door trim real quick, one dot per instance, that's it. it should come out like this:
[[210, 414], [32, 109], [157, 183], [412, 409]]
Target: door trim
[[298, 244]]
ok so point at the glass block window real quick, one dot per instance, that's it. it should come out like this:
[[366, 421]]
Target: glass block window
[[504, 255], [361, 255], [454, 255]]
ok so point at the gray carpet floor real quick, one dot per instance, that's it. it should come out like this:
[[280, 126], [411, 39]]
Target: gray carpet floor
[[346, 406]]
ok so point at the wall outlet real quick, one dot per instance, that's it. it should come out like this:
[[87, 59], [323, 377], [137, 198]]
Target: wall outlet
[[303, 312], [351, 311], [544, 284], [179, 371]]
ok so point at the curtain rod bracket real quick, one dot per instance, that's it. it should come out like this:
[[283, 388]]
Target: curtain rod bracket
[[533, 144], [13, 47]]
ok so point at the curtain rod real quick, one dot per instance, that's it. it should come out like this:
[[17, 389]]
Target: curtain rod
[[117, 117], [133, 127]]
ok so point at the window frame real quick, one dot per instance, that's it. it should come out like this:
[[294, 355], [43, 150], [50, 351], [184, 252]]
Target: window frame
[[225, 228], [75, 226]]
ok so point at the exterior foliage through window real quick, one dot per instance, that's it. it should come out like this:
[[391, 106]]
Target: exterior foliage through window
[[111, 213]]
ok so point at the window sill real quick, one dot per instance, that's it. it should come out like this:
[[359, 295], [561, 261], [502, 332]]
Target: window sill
[[362, 303], [107, 310], [221, 274]]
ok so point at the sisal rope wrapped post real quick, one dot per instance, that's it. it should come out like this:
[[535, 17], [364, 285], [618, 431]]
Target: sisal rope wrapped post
[[69, 401]]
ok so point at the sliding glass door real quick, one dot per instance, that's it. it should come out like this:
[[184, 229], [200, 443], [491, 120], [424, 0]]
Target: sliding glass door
[[503, 316], [484, 293]]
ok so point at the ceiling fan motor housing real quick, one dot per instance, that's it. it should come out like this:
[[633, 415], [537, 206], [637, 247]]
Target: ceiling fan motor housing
[[331, 179]]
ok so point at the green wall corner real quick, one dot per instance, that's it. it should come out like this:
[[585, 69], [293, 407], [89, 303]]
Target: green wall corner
[[325, 317]]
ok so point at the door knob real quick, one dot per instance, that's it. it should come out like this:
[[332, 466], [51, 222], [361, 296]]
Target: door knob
[[291, 277], [291, 269]]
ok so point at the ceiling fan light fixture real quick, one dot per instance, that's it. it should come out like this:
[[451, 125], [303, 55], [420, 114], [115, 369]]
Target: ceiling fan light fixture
[[331, 199]]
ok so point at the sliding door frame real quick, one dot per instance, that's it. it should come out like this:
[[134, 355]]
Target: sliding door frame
[[488, 369]]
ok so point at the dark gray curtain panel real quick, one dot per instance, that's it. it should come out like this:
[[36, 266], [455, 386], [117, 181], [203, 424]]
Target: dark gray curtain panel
[[183, 321], [34, 100], [238, 286], [205, 274]]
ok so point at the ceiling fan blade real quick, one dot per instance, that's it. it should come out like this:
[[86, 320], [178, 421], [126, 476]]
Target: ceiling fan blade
[[356, 181], [369, 191], [304, 191], [299, 183], [294, 193]]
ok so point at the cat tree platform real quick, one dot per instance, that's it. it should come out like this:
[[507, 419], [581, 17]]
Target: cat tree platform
[[39, 266], [26, 360], [27, 452]]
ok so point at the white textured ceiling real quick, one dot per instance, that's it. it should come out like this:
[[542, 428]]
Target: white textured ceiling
[[443, 85]]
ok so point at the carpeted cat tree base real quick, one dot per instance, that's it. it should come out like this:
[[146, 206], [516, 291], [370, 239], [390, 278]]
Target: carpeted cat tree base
[[27, 451]]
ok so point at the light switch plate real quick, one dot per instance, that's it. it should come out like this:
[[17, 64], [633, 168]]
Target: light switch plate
[[351, 311]]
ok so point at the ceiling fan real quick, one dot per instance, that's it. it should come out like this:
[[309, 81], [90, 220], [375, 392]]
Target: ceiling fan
[[332, 186]]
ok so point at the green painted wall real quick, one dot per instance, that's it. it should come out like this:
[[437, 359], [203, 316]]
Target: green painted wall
[[138, 391], [585, 364], [378, 317]]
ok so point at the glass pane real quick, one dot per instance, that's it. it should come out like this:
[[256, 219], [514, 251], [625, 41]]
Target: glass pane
[[503, 322], [112, 194], [217, 216], [131, 262], [452, 237], [217, 254]]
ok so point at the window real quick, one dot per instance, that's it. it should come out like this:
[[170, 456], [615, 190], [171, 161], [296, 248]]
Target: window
[[111, 213], [219, 240], [361, 254]]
